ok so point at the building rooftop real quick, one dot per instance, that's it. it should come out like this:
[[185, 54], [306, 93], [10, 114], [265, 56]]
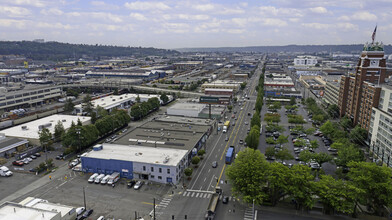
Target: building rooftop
[[45, 205], [9, 143], [31, 129], [187, 120], [137, 153], [188, 106], [15, 211]]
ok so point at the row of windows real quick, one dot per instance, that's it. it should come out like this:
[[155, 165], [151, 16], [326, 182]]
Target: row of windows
[[159, 169]]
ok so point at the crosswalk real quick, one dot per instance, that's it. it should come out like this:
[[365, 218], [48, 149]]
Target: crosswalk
[[202, 195], [248, 214], [161, 206]]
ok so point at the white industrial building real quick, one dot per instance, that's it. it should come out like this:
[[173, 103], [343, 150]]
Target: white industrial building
[[119, 101], [36, 209], [158, 164], [29, 130], [305, 61], [186, 109]]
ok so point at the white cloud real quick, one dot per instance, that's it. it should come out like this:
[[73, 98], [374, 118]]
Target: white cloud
[[364, 16], [104, 5], [138, 16], [234, 31], [318, 10], [240, 21], [52, 11], [271, 10], [347, 26], [35, 3], [192, 17], [273, 22], [56, 25], [14, 11], [204, 7], [315, 25], [144, 6], [230, 11], [10, 23]]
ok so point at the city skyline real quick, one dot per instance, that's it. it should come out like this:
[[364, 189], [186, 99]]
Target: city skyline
[[171, 24]]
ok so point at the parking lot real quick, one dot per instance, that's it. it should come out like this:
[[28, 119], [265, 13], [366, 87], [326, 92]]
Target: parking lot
[[329, 167]]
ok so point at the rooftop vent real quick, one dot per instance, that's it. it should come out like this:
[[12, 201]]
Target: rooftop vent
[[64, 120]]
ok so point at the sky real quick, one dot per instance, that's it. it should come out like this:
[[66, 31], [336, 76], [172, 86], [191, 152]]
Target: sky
[[204, 23]]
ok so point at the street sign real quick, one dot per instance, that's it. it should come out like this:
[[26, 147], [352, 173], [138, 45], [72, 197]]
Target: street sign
[[209, 100]]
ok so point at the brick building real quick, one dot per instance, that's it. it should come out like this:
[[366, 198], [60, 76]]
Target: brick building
[[360, 92]]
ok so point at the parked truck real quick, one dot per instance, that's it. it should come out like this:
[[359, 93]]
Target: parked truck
[[211, 209], [4, 171], [114, 177], [226, 126]]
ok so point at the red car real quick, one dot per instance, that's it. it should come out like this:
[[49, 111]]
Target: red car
[[18, 163]]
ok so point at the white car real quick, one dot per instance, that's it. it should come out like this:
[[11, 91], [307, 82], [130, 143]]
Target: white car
[[80, 210], [138, 184]]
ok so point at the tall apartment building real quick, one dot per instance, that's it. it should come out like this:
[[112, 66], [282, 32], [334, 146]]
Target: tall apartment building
[[331, 93], [380, 131], [360, 92]]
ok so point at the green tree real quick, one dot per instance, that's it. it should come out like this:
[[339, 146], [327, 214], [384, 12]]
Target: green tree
[[87, 106], [322, 158], [69, 106], [58, 131], [301, 186], [282, 140], [229, 107], [292, 101], [188, 171], [314, 144], [201, 152], [243, 85], [164, 98], [318, 119], [136, 111], [270, 152], [137, 99], [252, 140], [336, 195], [45, 138], [195, 160], [358, 135], [284, 154], [346, 123], [101, 112], [248, 175], [328, 128], [333, 111], [270, 140], [277, 182], [305, 156], [255, 121], [348, 154], [300, 142], [376, 183], [310, 131]]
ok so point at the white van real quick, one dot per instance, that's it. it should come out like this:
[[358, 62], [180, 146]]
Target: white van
[[92, 178], [114, 178], [101, 218], [99, 178], [105, 179]]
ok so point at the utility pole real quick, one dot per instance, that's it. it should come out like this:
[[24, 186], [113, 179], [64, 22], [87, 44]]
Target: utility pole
[[84, 198], [154, 210], [78, 132], [253, 209]]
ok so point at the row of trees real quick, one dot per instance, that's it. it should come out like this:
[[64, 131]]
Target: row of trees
[[319, 116], [254, 179], [140, 110], [252, 139]]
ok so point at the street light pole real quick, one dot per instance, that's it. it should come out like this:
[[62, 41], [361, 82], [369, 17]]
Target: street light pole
[[253, 209], [84, 198]]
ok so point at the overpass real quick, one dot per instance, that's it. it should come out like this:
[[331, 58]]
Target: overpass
[[130, 86]]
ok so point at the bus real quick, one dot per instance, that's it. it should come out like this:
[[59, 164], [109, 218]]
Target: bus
[[230, 154]]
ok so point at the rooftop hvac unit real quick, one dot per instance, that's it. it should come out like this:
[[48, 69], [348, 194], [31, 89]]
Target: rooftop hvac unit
[[64, 120], [24, 127], [113, 100]]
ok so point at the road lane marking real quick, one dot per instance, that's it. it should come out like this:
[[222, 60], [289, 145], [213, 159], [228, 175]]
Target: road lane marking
[[209, 170], [205, 179], [148, 203]]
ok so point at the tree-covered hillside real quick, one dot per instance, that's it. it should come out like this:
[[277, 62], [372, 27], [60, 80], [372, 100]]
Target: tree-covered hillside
[[63, 51]]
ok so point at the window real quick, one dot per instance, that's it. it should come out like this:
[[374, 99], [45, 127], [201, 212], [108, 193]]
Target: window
[[159, 177], [144, 168], [152, 169], [168, 171], [160, 170], [152, 176]]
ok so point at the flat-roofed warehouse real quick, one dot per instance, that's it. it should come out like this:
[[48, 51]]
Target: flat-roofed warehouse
[[29, 131], [158, 164]]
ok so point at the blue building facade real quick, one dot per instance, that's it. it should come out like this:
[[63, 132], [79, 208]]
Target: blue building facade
[[107, 166]]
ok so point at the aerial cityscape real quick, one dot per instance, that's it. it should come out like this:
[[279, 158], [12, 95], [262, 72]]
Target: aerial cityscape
[[213, 110]]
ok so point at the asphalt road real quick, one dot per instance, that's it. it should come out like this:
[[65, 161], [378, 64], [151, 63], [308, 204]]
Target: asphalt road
[[193, 200]]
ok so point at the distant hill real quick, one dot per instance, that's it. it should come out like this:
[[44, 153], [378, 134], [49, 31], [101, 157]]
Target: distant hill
[[63, 51], [355, 48]]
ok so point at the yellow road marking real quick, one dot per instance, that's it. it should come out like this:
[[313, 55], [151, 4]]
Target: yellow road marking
[[148, 203]]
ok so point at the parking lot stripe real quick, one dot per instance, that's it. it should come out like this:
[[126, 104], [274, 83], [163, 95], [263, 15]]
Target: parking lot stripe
[[209, 195], [197, 194], [193, 194], [185, 193], [205, 195]]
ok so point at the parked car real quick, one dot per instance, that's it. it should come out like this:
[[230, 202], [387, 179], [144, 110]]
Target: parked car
[[60, 157], [214, 164], [88, 213], [241, 141], [131, 183], [227, 138], [80, 210], [18, 163], [37, 154], [33, 157], [225, 199], [25, 161], [138, 185]]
